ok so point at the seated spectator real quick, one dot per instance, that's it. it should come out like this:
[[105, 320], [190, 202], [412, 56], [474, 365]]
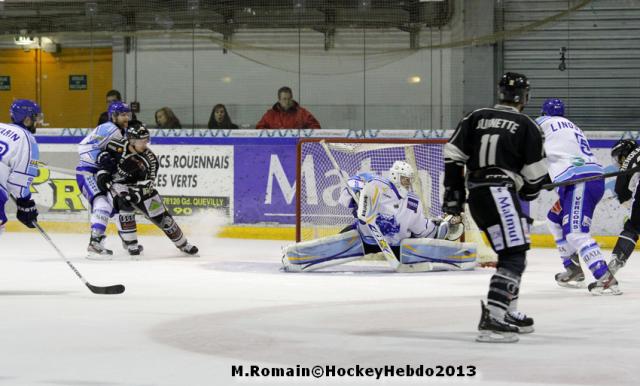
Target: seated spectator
[[287, 114], [166, 119], [112, 96], [220, 119]]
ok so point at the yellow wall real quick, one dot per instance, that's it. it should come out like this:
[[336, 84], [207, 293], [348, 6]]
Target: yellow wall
[[62, 107], [20, 66]]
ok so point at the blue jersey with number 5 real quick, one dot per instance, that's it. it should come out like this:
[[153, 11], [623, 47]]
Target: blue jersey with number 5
[[568, 152]]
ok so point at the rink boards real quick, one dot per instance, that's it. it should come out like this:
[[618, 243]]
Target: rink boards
[[243, 184]]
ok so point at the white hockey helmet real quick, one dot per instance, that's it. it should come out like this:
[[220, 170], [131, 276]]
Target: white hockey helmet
[[402, 175]]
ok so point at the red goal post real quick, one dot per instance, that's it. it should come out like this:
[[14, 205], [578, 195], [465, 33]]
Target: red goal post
[[318, 186]]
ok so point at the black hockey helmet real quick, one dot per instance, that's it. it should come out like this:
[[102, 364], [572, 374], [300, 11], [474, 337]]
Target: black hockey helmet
[[137, 130], [621, 150], [513, 87]]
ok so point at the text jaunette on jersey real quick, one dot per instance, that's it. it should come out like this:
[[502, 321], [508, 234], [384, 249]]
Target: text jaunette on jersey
[[498, 124]]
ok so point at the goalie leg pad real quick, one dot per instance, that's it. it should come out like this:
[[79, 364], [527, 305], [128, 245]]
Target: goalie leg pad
[[324, 252], [442, 255]]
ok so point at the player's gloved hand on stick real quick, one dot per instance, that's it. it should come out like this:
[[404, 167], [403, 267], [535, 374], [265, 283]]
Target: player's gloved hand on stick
[[27, 211], [453, 201], [106, 161], [132, 195], [103, 179], [529, 192]]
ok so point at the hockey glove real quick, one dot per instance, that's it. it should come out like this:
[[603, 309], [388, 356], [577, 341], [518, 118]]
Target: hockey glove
[[27, 211], [132, 196], [453, 201], [529, 192], [103, 180], [107, 162]]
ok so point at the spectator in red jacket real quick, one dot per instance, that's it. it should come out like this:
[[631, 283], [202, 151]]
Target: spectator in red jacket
[[287, 114]]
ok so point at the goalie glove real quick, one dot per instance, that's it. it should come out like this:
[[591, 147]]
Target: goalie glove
[[450, 228]]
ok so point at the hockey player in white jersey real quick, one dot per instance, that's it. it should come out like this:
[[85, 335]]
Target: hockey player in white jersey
[[19, 160], [100, 200], [570, 157], [399, 216]]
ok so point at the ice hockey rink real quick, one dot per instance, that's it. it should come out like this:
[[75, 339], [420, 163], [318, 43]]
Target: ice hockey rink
[[187, 321]]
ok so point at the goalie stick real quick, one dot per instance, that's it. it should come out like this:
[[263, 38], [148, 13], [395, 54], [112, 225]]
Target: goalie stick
[[373, 227], [591, 178], [108, 290]]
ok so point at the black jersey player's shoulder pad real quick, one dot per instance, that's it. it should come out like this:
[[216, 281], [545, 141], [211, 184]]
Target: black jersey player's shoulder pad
[[632, 160], [117, 146]]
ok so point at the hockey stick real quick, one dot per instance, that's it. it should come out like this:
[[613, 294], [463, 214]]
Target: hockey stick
[[591, 178], [370, 223], [108, 290], [64, 170]]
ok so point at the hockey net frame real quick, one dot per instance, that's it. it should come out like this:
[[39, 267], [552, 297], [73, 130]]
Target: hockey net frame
[[472, 234]]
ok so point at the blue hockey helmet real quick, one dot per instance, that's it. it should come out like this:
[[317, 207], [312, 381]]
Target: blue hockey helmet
[[553, 107], [514, 88], [22, 109], [118, 107]]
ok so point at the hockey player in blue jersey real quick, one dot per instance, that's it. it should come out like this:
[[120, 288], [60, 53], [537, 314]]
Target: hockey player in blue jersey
[[19, 160], [570, 157], [100, 201]]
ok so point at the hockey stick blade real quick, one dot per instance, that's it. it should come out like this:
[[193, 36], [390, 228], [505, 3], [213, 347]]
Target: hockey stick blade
[[110, 290], [115, 289], [591, 178]]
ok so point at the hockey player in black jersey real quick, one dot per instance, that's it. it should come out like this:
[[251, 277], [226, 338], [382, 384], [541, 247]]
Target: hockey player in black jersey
[[502, 150], [128, 169], [626, 154]]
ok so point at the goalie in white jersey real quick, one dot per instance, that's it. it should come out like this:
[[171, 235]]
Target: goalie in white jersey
[[19, 160], [399, 216], [570, 157]]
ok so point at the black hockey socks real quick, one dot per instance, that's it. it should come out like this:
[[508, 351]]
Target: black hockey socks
[[503, 288]]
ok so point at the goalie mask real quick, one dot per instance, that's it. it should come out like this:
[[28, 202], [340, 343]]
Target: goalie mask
[[402, 176]]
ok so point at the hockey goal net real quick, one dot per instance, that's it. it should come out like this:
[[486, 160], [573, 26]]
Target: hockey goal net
[[318, 187]]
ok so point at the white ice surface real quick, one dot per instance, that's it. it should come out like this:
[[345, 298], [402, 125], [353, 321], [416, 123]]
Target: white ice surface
[[186, 321]]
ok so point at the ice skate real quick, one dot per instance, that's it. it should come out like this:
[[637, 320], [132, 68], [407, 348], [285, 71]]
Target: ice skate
[[615, 264], [606, 285], [189, 249], [520, 320], [96, 249], [492, 330], [573, 277], [133, 248]]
